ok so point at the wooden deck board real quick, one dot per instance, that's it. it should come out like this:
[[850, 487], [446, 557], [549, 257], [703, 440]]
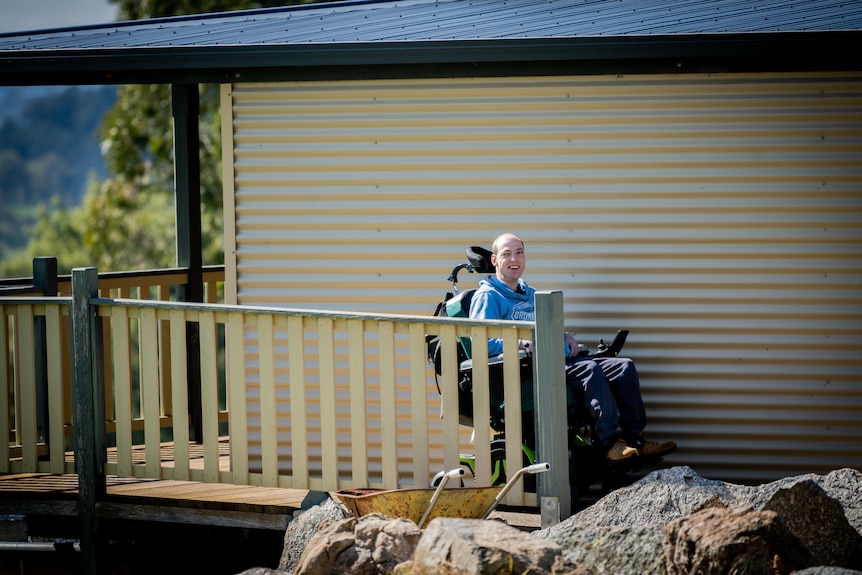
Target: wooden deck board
[[156, 499]]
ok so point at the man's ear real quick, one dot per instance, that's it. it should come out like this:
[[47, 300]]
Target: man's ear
[[494, 260]]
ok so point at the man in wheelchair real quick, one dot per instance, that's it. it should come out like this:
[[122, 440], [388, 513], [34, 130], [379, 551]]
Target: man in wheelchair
[[608, 387]]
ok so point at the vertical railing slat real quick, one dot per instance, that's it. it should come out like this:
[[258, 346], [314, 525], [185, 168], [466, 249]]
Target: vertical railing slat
[[209, 395], [358, 419], [512, 401], [149, 368], [27, 384], [5, 420], [449, 399], [268, 422], [211, 291], [165, 358], [67, 361], [388, 416], [298, 408], [419, 404], [237, 397], [328, 437], [179, 395], [107, 367], [122, 388], [482, 407], [55, 389]]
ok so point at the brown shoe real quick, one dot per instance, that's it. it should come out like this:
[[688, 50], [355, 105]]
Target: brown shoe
[[655, 449], [620, 451]]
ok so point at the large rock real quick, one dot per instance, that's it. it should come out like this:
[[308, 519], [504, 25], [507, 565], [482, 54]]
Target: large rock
[[452, 546], [618, 550], [623, 532], [667, 494], [819, 522], [718, 541], [305, 526], [368, 545]]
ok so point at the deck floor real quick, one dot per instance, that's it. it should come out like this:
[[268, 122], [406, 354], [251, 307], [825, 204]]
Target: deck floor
[[156, 499]]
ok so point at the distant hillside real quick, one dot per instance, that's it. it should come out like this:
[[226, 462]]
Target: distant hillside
[[48, 147], [51, 136], [13, 99]]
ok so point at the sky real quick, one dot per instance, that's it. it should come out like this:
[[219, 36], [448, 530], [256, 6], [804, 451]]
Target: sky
[[27, 15]]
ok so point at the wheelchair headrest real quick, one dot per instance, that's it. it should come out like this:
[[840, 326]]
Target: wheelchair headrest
[[480, 259]]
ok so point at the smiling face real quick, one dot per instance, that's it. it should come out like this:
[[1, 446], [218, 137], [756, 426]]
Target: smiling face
[[509, 259]]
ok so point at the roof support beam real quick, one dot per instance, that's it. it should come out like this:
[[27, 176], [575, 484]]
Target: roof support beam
[[187, 181], [671, 53]]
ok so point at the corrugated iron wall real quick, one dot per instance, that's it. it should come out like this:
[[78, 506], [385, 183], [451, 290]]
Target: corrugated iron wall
[[718, 217]]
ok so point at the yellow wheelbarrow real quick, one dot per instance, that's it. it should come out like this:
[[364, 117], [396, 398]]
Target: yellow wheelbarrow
[[422, 505]]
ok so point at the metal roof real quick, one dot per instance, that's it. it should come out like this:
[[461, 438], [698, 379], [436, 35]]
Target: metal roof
[[427, 31]]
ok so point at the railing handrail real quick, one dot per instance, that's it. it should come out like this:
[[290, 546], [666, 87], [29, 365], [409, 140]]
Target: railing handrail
[[24, 289], [153, 273], [284, 311], [35, 300], [16, 282]]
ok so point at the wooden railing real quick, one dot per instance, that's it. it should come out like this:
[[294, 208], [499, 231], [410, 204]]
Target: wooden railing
[[312, 398], [290, 398], [23, 393], [159, 284]]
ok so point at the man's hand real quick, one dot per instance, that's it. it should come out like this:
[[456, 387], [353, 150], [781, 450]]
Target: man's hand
[[572, 343]]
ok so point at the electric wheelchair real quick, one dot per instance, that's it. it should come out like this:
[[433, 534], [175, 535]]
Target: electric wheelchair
[[587, 465]]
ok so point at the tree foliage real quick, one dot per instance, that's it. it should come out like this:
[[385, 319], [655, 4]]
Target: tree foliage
[[127, 221], [48, 148]]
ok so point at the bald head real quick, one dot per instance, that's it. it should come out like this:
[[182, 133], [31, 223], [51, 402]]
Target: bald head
[[505, 239]]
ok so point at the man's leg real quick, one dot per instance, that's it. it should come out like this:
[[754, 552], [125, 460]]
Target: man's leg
[[624, 383], [586, 377], [622, 377]]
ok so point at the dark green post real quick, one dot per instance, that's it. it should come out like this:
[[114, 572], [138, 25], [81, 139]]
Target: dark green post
[[44, 281], [89, 410], [186, 109]]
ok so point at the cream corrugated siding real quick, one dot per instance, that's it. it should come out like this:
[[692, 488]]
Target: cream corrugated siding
[[718, 217]]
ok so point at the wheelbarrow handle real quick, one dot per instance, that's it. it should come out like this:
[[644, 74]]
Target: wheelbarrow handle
[[448, 475], [531, 469]]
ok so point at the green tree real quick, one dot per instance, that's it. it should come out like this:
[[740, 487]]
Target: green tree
[[126, 221]]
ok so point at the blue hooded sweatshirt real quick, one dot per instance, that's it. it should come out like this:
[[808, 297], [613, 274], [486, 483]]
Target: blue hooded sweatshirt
[[495, 300]]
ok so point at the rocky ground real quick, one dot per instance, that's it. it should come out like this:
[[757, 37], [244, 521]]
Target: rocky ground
[[670, 522]]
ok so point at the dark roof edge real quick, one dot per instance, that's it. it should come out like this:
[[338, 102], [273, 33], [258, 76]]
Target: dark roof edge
[[774, 51]]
